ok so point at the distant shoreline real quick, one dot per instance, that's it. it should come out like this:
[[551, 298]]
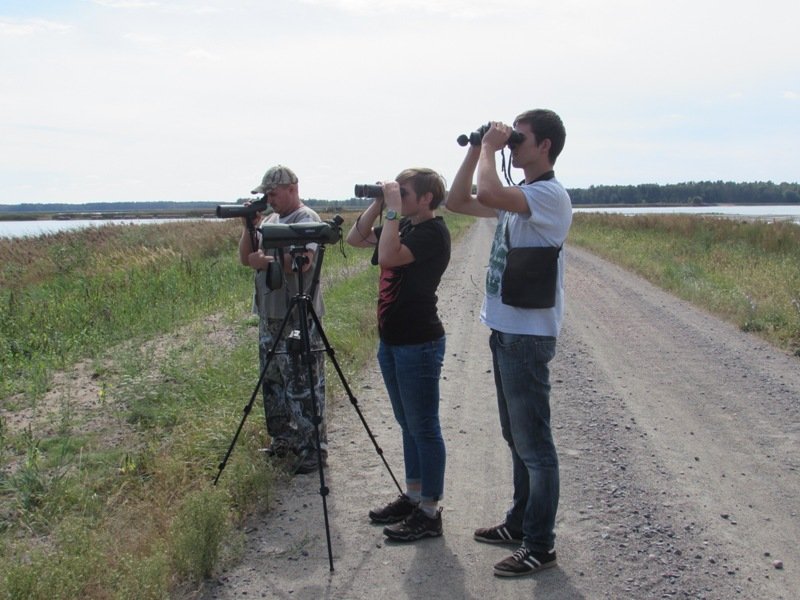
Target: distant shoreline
[[209, 212], [105, 216]]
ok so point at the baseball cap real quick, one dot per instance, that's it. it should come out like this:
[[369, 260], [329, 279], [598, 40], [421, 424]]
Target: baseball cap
[[275, 176]]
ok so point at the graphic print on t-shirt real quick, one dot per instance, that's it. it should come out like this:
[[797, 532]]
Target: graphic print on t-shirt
[[389, 292], [497, 260]]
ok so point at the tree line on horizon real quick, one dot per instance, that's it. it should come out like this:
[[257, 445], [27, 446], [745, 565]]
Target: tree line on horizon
[[690, 193]]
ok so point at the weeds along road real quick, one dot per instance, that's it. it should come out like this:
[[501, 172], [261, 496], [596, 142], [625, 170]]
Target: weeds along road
[[678, 443]]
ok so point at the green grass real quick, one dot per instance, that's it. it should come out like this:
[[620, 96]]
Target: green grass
[[90, 290], [113, 498], [744, 271]]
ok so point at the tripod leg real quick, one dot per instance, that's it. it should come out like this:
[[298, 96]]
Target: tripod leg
[[249, 405], [304, 309], [329, 350], [307, 360]]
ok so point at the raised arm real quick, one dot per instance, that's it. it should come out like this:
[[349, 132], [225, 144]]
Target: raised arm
[[460, 198], [361, 234], [492, 194]]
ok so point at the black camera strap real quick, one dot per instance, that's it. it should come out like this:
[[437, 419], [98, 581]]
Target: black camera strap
[[543, 177]]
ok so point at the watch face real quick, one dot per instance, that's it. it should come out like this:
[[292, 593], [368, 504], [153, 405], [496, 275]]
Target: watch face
[[391, 215]]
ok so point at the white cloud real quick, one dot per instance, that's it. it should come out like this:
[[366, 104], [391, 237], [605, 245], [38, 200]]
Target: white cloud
[[27, 27], [171, 6], [202, 54], [144, 39], [194, 99], [471, 9], [127, 4]]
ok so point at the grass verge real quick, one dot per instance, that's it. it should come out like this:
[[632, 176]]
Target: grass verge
[[747, 272]]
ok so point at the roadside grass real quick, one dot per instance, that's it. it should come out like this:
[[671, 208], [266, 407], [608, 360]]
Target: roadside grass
[[73, 294], [747, 272], [106, 489]]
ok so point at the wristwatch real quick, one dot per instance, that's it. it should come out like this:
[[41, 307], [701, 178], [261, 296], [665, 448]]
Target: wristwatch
[[391, 215]]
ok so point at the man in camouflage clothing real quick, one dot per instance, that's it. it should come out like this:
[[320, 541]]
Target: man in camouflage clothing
[[288, 402]]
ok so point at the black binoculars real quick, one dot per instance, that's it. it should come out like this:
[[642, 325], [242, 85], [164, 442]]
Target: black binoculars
[[368, 190], [474, 138]]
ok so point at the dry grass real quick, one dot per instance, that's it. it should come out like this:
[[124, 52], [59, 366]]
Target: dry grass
[[31, 261], [745, 271]]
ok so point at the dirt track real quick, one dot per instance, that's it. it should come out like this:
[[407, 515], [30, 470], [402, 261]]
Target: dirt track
[[678, 442]]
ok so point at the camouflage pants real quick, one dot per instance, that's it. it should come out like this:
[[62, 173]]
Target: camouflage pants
[[288, 404]]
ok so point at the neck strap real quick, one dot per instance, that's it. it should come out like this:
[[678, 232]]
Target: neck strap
[[543, 177]]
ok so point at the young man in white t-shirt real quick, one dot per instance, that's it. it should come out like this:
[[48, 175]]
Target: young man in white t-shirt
[[538, 212]]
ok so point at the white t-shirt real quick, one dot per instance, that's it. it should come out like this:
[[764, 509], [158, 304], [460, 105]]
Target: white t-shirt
[[547, 225]]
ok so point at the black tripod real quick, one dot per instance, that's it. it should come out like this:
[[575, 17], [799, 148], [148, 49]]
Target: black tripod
[[304, 306]]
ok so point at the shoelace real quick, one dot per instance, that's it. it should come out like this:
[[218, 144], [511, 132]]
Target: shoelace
[[520, 554], [525, 557], [417, 520]]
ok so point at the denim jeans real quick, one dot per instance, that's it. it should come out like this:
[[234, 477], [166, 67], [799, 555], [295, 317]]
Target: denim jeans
[[522, 378], [411, 374]]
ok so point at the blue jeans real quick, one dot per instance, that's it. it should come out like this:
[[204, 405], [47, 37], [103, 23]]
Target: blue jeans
[[522, 378], [411, 374]]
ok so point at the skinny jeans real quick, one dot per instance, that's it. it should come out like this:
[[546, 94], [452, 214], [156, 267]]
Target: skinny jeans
[[411, 374]]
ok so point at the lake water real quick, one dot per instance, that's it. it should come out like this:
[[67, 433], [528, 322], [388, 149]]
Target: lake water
[[789, 212], [13, 229], [782, 212]]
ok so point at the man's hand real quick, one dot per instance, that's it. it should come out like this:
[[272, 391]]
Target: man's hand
[[255, 219], [258, 260], [496, 137]]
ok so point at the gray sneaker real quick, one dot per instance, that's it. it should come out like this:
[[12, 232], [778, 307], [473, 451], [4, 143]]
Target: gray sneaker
[[395, 511], [416, 526]]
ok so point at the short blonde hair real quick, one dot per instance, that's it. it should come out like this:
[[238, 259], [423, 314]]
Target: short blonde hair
[[424, 181]]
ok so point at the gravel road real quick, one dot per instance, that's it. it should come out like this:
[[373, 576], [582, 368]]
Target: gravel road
[[678, 444]]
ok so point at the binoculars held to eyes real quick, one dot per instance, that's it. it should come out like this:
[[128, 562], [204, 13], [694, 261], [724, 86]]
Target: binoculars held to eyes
[[474, 138], [368, 190]]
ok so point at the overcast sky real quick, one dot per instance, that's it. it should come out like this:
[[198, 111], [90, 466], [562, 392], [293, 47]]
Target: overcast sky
[[148, 100]]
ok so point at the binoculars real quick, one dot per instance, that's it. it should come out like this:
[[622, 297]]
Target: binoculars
[[474, 138]]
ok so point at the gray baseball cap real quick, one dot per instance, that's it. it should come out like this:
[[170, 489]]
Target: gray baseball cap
[[275, 176]]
